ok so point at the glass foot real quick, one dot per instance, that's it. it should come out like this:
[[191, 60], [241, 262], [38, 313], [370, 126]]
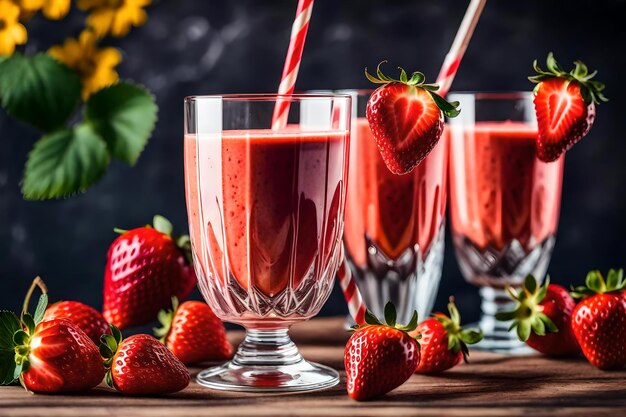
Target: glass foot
[[268, 361], [496, 335]]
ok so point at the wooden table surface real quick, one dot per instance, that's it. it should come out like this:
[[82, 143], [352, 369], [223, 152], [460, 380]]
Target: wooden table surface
[[491, 385]]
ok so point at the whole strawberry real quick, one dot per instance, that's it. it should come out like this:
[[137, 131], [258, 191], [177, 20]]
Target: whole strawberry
[[542, 317], [145, 268], [47, 356], [141, 365], [406, 118], [599, 320], [380, 357], [443, 341], [193, 333], [88, 319], [565, 104]]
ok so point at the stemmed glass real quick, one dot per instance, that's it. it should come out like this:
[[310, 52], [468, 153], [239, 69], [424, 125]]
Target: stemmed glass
[[504, 202], [395, 224], [265, 211]]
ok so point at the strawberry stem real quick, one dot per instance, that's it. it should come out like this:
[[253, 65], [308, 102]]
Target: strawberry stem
[[37, 282]]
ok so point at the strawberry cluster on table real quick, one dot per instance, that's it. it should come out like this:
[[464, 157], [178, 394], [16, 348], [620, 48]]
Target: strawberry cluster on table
[[70, 346]]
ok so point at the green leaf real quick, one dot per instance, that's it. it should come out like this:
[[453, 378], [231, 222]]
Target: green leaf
[[7, 367], [595, 281], [9, 324], [124, 115], [530, 283], [117, 334], [614, 279], [163, 225], [38, 90], [538, 326], [42, 304], [506, 315], [390, 314], [64, 163], [471, 336], [523, 330], [20, 337], [548, 323], [449, 109], [28, 321], [411, 325], [371, 318]]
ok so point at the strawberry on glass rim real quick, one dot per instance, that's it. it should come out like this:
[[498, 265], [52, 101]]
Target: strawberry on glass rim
[[565, 105], [406, 117], [46, 355]]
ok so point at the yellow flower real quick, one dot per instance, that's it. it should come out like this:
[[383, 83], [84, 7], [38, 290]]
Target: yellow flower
[[95, 66], [12, 32], [114, 16], [52, 9]]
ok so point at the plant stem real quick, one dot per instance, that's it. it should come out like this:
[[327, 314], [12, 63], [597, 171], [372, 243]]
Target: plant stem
[[37, 282]]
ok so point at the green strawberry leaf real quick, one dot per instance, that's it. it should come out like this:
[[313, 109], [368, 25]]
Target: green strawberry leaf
[[124, 115], [7, 367], [41, 308], [28, 321], [163, 225], [390, 314], [449, 109], [38, 90], [63, 163], [9, 324]]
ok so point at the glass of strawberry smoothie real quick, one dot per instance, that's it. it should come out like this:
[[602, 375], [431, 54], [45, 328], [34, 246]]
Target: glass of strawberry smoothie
[[265, 208], [394, 224], [504, 202]]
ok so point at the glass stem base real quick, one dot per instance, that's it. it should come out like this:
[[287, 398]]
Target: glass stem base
[[268, 361], [497, 337]]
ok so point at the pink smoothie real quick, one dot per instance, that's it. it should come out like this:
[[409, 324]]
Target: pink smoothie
[[395, 212], [499, 190], [263, 206]]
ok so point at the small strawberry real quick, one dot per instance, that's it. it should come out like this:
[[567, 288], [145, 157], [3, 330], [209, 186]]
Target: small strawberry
[[599, 320], [88, 319], [145, 268], [406, 118], [141, 365], [542, 317], [380, 357], [47, 356], [193, 332], [565, 104], [443, 341]]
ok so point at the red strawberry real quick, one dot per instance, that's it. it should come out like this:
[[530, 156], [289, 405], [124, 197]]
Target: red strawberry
[[565, 106], [443, 341], [542, 317], [47, 356], [194, 333], [145, 268], [88, 319], [380, 357], [141, 365], [599, 320], [406, 118]]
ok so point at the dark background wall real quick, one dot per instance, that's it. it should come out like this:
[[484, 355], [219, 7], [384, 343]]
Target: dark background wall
[[201, 47]]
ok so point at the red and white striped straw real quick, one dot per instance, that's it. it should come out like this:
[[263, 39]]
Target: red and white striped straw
[[292, 62], [463, 35], [351, 293]]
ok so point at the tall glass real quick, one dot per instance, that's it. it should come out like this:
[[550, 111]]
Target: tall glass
[[265, 211], [504, 202], [395, 224]]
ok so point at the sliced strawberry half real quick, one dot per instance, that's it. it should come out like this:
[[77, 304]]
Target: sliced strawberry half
[[406, 118], [565, 105]]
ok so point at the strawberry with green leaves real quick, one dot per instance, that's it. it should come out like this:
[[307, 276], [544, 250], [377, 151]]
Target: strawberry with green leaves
[[599, 319], [145, 268], [542, 317], [380, 356], [46, 356], [443, 342], [141, 365], [565, 105], [406, 117], [193, 332]]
